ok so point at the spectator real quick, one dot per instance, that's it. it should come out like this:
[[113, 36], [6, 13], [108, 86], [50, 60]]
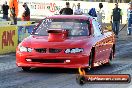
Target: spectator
[[5, 9], [129, 17], [67, 10], [116, 17], [78, 11], [100, 13], [26, 13], [13, 5]]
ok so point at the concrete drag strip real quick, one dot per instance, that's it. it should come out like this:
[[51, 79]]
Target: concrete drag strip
[[7, 65]]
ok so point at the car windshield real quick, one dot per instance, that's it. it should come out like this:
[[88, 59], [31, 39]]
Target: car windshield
[[75, 27]]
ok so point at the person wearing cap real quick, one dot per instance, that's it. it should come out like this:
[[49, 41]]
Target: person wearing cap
[[116, 19], [129, 18], [26, 13], [67, 10], [78, 11]]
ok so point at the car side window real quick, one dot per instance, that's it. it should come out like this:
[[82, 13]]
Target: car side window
[[96, 27]]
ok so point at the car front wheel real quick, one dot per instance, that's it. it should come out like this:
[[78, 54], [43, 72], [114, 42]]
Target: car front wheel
[[26, 68]]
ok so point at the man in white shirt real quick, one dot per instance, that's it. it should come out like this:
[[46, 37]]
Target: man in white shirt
[[78, 11], [100, 13]]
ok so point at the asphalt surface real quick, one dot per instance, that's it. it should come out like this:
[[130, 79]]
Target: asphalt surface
[[13, 77]]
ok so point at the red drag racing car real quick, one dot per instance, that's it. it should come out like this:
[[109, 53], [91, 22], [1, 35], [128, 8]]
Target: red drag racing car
[[66, 41]]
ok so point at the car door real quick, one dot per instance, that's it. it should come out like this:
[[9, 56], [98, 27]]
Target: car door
[[100, 42]]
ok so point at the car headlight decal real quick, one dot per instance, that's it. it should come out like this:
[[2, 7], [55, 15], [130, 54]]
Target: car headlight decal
[[74, 50], [29, 49], [25, 49], [67, 51]]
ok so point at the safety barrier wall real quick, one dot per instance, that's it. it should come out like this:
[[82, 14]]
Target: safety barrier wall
[[8, 39], [10, 36], [6, 23], [24, 31], [20, 23]]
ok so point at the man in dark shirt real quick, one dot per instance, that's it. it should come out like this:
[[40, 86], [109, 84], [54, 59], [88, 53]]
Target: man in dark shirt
[[116, 17], [5, 8], [67, 10]]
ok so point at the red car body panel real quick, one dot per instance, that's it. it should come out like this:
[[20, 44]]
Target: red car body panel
[[102, 44]]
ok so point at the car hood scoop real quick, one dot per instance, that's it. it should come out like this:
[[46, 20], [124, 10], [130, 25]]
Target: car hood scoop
[[57, 35]]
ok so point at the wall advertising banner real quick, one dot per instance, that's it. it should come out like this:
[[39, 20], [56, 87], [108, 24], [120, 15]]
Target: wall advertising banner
[[24, 31], [41, 8], [8, 39]]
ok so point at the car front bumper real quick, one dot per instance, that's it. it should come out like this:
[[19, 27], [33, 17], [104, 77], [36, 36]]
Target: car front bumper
[[52, 60]]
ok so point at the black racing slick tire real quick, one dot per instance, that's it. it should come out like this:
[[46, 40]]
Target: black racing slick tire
[[110, 58], [91, 57], [90, 62]]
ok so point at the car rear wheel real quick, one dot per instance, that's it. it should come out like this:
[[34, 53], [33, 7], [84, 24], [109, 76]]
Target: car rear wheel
[[26, 68], [90, 62], [110, 58], [91, 57]]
